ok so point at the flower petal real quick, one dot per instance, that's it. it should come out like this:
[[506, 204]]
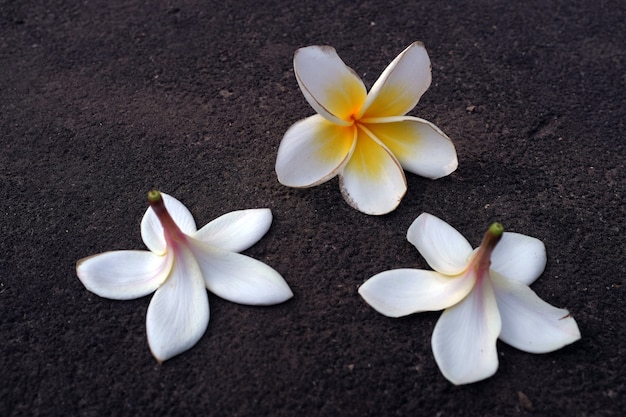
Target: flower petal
[[236, 231], [401, 85], [519, 257], [239, 278], [529, 323], [123, 275], [419, 145], [313, 151], [400, 292], [464, 339], [330, 87], [372, 181], [445, 249], [178, 314], [152, 231]]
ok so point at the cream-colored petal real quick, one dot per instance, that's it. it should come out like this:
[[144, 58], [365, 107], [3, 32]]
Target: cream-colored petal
[[152, 231], [464, 339], [123, 275], [419, 145], [313, 151], [239, 278], [236, 231], [178, 314], [401, 85], [519, 257], [372, 181], [330, 87], [529, 323], [441, 245], [400, 292]]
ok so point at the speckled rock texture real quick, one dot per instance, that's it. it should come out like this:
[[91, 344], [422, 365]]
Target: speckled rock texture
[[100, 101]]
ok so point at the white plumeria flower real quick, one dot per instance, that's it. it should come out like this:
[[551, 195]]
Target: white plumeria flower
[[182, 263], [485, 295], [365, 139]]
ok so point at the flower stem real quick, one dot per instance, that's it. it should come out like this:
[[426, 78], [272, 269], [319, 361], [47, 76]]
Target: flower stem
[[483, 255], [170, 228]]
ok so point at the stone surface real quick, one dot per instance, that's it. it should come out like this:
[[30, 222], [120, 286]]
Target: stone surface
[[100, 101]]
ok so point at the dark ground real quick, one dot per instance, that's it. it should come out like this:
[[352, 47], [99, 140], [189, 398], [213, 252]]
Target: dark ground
[[101, 101]]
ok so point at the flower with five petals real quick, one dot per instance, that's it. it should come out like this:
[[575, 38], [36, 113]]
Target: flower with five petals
[[485, 295], [181, 264], [364, 138]]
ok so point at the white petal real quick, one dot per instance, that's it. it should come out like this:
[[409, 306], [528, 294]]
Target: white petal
[[529, 323], [178, 314], [152, 231], [519, 257], [239, 278], [401, 85], [123, 275], [372, 181], [236, 231], [401, 292], [419, 145], [445, 249], [313, 151], [330, 87], [464, 339]]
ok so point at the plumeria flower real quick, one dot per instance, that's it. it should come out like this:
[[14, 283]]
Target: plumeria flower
[[485, 295], [364, 138], [182, 262]]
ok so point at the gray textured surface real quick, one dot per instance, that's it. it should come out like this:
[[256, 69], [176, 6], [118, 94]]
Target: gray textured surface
[[101, 101]]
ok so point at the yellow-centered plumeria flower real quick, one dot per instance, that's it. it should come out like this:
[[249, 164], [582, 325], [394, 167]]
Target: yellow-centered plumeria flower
[[485, 295], [181, 264], [365, 139]]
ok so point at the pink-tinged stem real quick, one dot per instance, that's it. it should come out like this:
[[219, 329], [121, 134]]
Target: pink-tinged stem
[[173, 234], [483, 255]]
